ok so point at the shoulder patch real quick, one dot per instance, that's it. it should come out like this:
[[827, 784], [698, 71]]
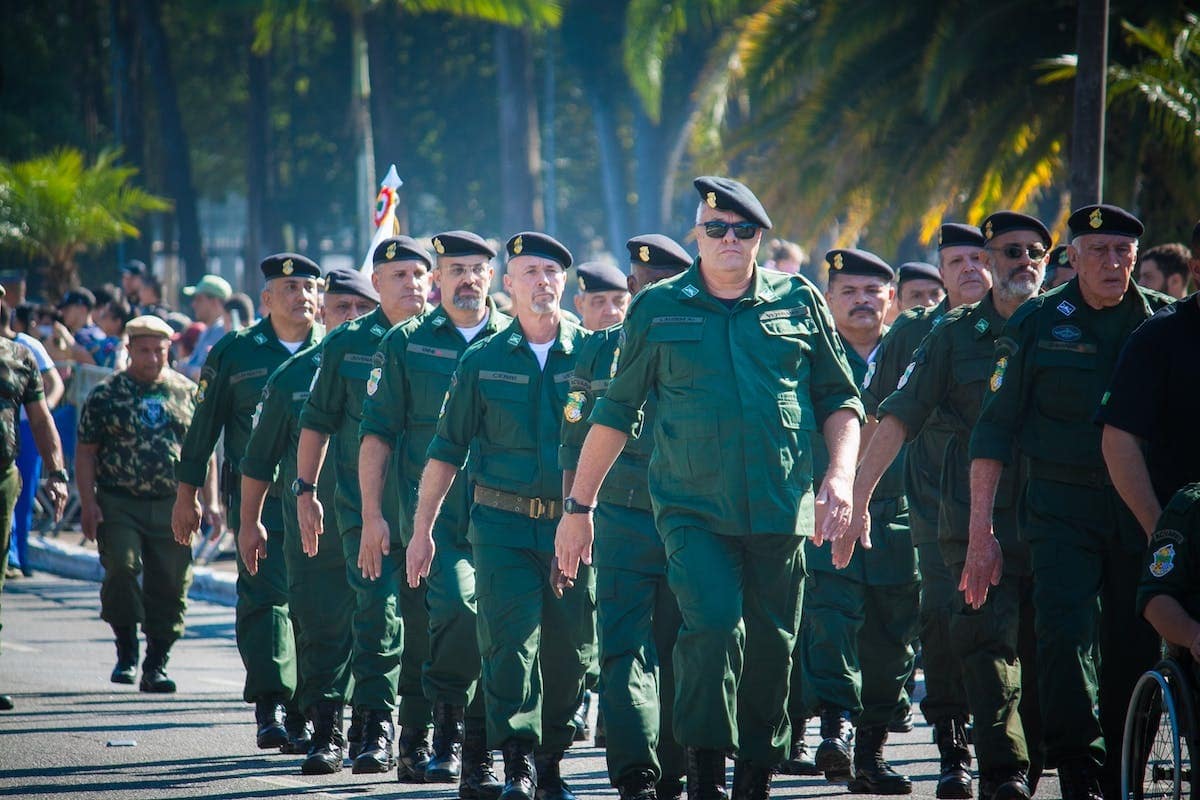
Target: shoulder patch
[[998, 375], [908, 371], [573, 410], [1162, 561], [373, 380]]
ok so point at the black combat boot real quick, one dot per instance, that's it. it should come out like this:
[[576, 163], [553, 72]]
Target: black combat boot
[[751, 781], [799, 760], [872, 774], [478, 781], [706, 774], [1079, 779], [445, 765], [520, 777], [127, 655], [954, 782], [326, 747], [414, 754], [550, 783], [269, 714], [1004, 785], [376, 753], [902, 724], [669, 788], [154, 669], [354, 733], [837, 737], [637, 785], [299, 730]]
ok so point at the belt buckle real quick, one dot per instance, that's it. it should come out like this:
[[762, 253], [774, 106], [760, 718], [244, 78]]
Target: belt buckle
[[536, 508]]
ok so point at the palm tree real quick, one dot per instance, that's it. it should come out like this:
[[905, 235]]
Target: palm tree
[[55, 207]]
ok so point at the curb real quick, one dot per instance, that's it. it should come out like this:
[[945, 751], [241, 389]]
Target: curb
[[73, 561]]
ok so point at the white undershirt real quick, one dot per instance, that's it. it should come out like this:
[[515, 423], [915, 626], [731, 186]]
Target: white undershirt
[[292, 347], [542, 351], [469, 333]]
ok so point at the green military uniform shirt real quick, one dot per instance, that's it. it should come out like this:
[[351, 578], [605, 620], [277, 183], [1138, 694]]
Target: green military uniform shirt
[[891, 561], [739, 391], [1172, 562], [923, 459], [403, 402], [1050, 370], [948, 379], [230, 388], [139, 428], [335, 408], [625, 484], [497, 391], [20, 385]]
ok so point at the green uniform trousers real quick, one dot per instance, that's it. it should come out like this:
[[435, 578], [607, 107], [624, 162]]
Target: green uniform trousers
[[320, 601], [452, 673], [739, 597], [798, 711], [1086, 551], [534, 646], [10, 487], [391, 636], [945, 692], [998, 653], [266, 639], [638, 620], [135, 539]]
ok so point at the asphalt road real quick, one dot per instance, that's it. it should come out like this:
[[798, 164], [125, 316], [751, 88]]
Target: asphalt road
[[75, 735]]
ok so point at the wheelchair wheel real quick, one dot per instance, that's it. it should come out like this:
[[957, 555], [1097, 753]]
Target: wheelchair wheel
[[1156, 755]]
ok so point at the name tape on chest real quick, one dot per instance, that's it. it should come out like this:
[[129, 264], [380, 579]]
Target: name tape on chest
[[506, 377]]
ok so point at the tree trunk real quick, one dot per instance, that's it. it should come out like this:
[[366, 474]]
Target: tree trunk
[[612, 184], [520, 158], [259, 243], [365, 188], [128, 112], [174, 138], [1087, 130]]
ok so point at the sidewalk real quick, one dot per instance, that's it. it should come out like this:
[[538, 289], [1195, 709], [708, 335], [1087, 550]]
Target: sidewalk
[[215, 582]]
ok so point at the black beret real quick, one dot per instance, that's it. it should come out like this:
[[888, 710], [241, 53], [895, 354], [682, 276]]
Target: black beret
[[849, 261], [532, 243], [400, 248], [1058, 257], [350, 281], [727, 194], [78, 297], [1104, 218], [462, 243], [135, 267], [596, 276], [289, 265], [657, 252], [918, 270], [1005, 221], [957, 234]]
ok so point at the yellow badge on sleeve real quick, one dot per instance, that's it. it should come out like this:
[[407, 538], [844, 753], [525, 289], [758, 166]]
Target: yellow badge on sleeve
[[373, 381], [573, 410], [998, 376]]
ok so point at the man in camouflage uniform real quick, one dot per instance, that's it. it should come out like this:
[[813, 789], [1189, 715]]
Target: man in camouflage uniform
[[318, 595], [404, 395], [130, 433], [391, 624], [21, 387], [638, 615], [230, 388]]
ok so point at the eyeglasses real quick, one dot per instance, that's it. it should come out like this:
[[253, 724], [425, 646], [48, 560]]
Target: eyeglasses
[[478, 270], [1014, 251], [715, 229]]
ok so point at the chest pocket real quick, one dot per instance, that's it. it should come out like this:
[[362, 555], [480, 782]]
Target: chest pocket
[[971, 377], [1068, 388], [789, 332], [508, 408], [429, 377], [678, 342]]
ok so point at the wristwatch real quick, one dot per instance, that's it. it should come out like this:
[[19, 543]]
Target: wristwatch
[[57, 476], [301, 486], [573, 506]]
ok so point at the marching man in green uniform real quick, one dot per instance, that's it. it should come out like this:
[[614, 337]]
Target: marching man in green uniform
[[231, 384], [948, 379], [744, 364], [507, 398], [318, 595], [391, 625], [130, 433], [21, 387], [967, 280], [404, 395], [638, 616], [862, 607], [1052, 366]]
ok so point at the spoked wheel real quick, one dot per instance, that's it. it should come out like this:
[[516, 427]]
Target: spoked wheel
[[1156, 755]]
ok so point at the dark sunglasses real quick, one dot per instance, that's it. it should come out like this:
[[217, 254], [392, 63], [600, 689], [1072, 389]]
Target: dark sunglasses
[[1013, 251], [715, 229]]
